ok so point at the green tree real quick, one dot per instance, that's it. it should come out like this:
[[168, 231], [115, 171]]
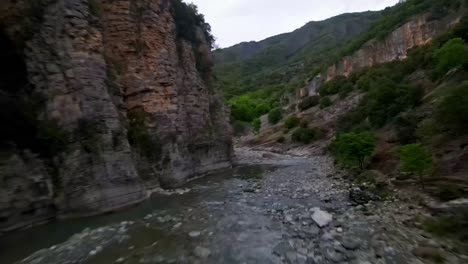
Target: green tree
[[352, 149], [275, 116], [256, 125], [452, 112], [452, 54], [415, 159]]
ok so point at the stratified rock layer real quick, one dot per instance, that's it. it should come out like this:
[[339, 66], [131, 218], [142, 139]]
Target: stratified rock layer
[[92, 62], [417, 32]]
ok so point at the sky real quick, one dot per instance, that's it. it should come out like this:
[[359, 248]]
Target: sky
[[235, 21]]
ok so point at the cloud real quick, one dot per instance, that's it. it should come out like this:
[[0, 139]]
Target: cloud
[[234, 21]]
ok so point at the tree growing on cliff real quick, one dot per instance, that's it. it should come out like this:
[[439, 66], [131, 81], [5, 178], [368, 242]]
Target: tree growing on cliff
[[451, 55], [352, 149], [415, 159]]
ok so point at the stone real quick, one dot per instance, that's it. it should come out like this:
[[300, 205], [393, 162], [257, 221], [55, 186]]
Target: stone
[[351, 243], [194, 234], [334, 256], [322, 218], [282, 248], [202, 252]]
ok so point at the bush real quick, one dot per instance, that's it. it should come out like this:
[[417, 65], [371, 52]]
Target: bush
[[416, 160], [452, 54], [406, 126], [335, 86], [303, 135], [452, 112], [450, 192], [352, 149], [309, 102], [256, 125], [281, 139], [275, 116], [325, 102], [139, 137], [292, 122]]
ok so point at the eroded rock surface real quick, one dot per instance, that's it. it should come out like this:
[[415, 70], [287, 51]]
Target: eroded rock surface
[[104, 72]]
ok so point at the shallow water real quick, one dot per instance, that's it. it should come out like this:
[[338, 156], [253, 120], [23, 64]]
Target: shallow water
[[203, 208]]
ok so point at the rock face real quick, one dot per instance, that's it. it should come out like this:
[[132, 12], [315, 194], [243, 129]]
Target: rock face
[[417, 32], [125, 90]]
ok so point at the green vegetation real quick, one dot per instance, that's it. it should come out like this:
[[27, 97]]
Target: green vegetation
[[275, 115], [188, 20], [325, 102], [396, 16], [292, 122], [95, 8], [452, 226], [415, 159], [452, 112], [451, 55], [309, 102], [139, 137], [245, 108], [351, 150], [340, 85], [256, 125], [303, 135]]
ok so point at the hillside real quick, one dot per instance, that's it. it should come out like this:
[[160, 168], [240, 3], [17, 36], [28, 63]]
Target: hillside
[[283, 62]]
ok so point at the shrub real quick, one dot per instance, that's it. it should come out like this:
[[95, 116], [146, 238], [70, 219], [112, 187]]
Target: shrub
[[416, 160], [139, 137], [336, 85], [352, 149], [275, 116], [406, 126], [450, 192], [309, 102], [325, 102], [452, 112], [256, 125], [95, 8], [303, 135], [452, 54], [292, 122], [281, 139]]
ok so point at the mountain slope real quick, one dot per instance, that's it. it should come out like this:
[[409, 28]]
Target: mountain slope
[[284, 60]]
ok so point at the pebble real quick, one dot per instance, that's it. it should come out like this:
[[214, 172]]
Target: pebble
[[194, 234], [202, 252]]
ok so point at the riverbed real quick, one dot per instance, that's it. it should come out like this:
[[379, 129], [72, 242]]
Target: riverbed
[[264, 210]]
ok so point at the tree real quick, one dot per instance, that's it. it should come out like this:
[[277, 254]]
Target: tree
[[452, 54], [275, 116], [416, 160], [452, 112], [256, 124], [352, 149]]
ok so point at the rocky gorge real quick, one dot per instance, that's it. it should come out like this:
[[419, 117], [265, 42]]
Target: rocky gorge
[[104, 101]]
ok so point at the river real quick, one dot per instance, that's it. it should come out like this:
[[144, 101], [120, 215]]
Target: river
[[261, 211]]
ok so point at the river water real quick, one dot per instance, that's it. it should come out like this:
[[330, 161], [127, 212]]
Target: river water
[[195, 210], [263, 211]]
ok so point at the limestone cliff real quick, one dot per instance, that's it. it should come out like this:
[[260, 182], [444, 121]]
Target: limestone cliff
[[416, 32], [123, 95]]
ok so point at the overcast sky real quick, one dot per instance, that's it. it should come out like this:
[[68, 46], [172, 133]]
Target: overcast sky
[[235, 21]]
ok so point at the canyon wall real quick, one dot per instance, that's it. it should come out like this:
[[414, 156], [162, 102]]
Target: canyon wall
[[416, 32], [121, 92]]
